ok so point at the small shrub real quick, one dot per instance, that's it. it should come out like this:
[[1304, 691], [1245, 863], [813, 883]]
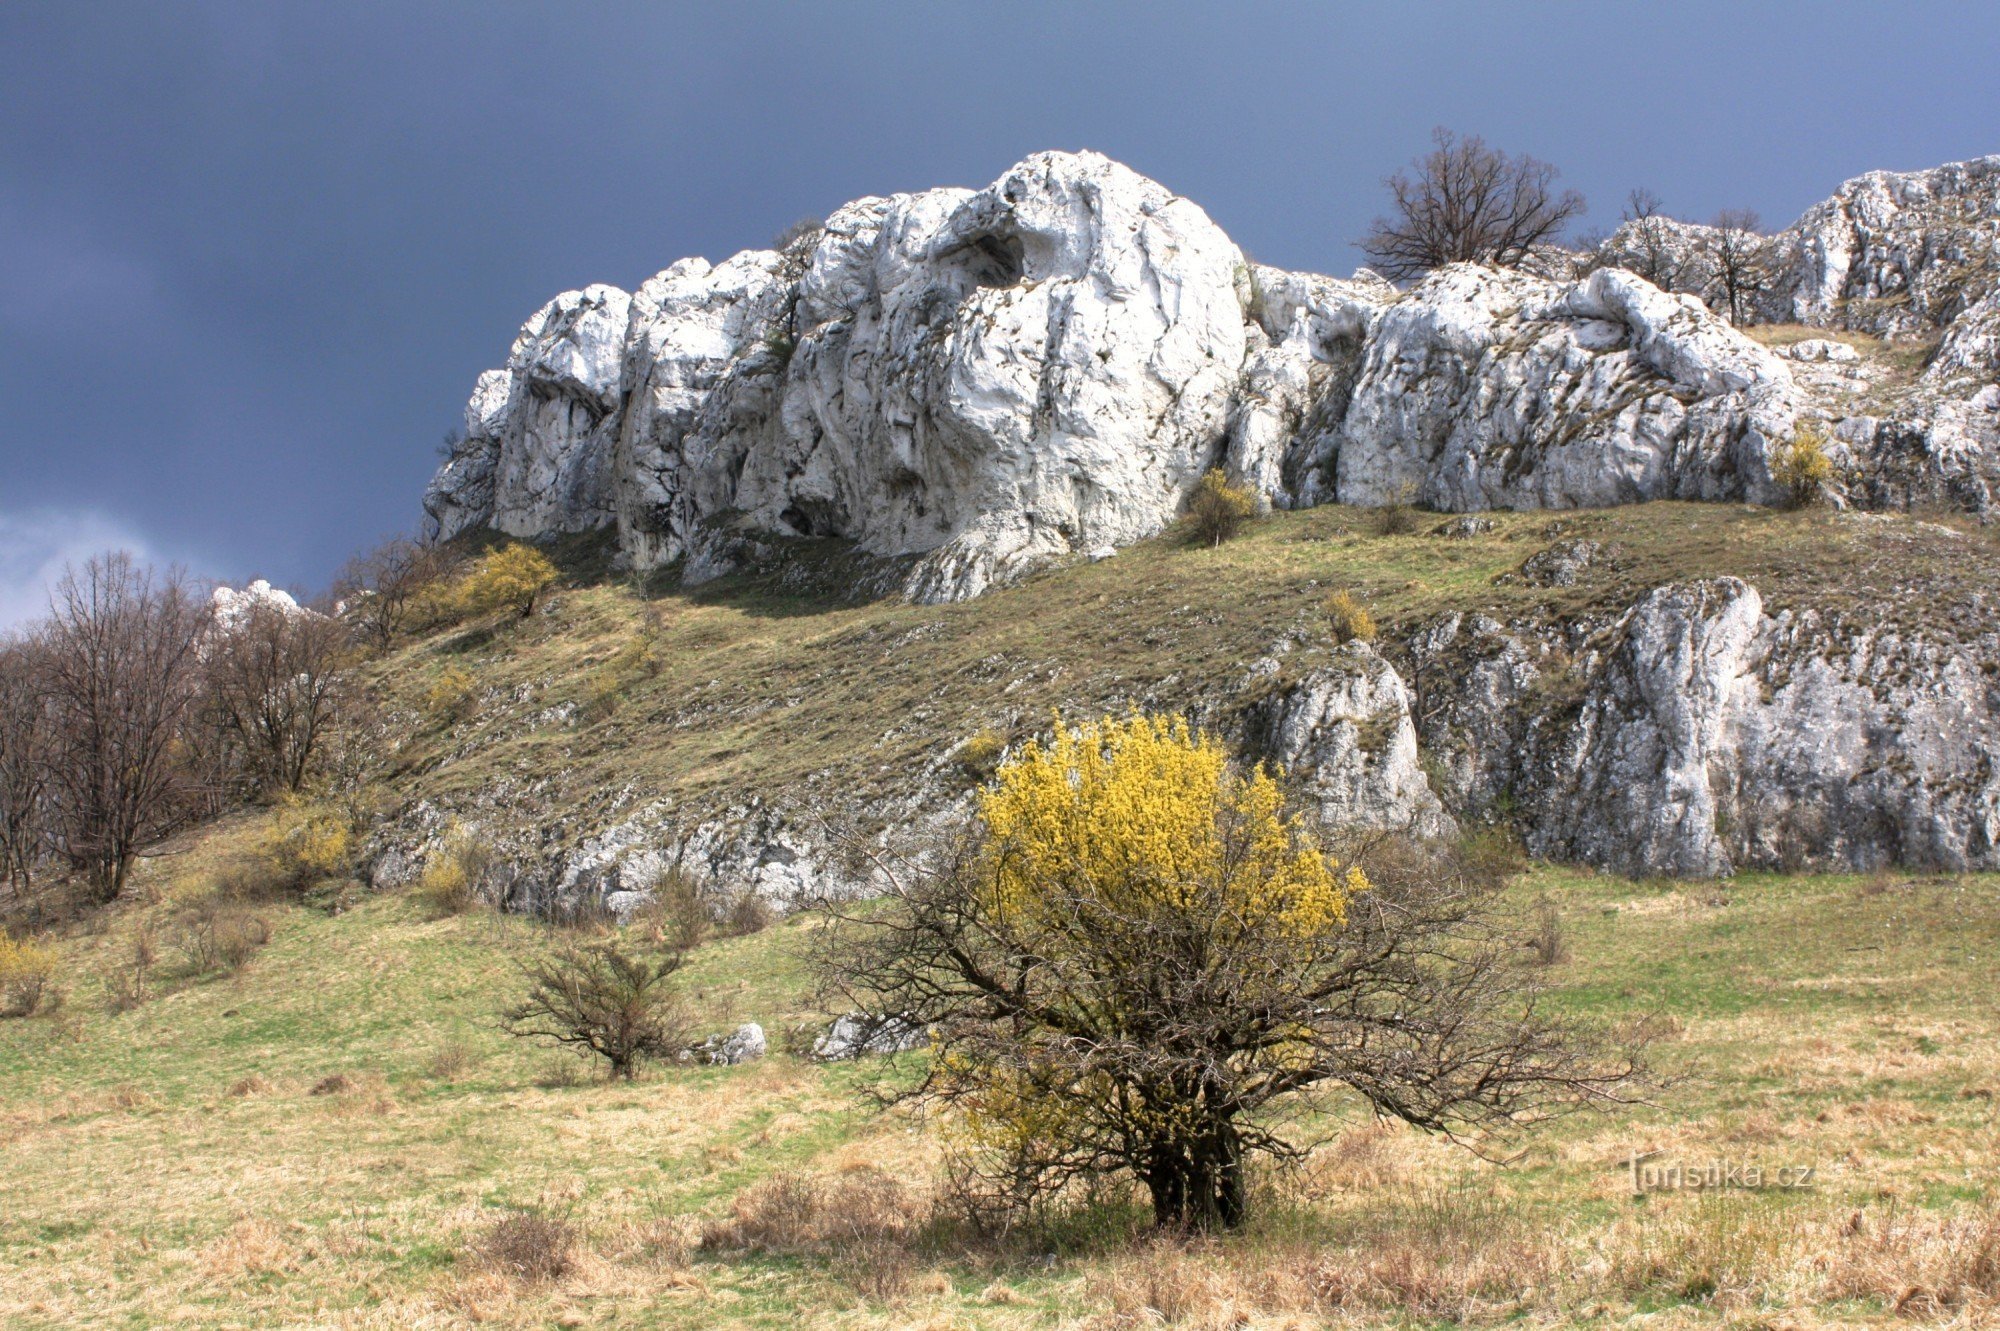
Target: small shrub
[[219, 936], [454, 872], [804, 229], [1398, 517], [449, 1061], [1349, 619], [790, 1214], [1548, 941], [1801, 466], [1217, 510], [677, 917], [531, 1247], [600, 997], [450, 695], [562, 1072], [510, 578], [349, 1083], [129, 985], [307, 843], [27, 975], [603, 694], [981, 753], [746, 913]]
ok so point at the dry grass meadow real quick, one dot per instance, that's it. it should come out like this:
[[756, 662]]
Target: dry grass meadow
[[338, 1135]]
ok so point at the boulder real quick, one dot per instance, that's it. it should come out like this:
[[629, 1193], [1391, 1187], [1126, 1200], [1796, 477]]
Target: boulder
[[745, 1044], [856, 1034]]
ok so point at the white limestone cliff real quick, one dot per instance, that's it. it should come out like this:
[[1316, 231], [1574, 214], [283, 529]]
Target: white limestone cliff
[[975, 383]]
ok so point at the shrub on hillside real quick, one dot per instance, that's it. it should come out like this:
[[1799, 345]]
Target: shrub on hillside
[[510, 578], [1801, 466], [27, 975], [677, 917], [981, 752], [306, 843], [746, 912], [1217, 510], [217, 936], [616, 1003], [450, 695], [454, 872], [1349, 619], [1398, 517]]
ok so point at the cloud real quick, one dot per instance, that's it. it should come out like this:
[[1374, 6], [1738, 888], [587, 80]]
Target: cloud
[[36, 545]]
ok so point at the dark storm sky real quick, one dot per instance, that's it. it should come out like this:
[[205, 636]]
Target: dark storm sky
[[253, 255]]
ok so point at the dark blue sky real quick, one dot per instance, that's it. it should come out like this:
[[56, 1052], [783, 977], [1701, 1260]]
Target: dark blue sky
[[253, 255]]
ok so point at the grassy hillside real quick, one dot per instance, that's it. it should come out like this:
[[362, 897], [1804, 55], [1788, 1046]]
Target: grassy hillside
[[189, 1162], [784, 684]]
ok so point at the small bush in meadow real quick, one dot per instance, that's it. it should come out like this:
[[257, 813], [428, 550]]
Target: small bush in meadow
[[677, 917], [218, 936], [531, 1247], [27, 975], [746, 913], [602, 998]]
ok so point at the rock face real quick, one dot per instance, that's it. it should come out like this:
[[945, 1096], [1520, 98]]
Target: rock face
[[983, 379], [1696, 734], [1907, 256], [972, 384], [1343, 732], [1490, 389], [976, 383], [232, 607]]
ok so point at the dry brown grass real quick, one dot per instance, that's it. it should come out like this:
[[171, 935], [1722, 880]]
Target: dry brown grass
[[531, 1247]]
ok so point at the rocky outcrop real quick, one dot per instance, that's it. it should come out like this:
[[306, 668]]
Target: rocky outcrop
[[1697, 734], [976, 383], [985, 380], [233, 607], [745, 1044], [1342, 732]]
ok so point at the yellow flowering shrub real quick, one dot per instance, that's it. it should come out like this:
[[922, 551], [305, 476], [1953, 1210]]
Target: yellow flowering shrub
[[1145, 816], [27, 969]]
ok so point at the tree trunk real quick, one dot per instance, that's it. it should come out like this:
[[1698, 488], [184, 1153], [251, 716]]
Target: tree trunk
[[1197, 1182]]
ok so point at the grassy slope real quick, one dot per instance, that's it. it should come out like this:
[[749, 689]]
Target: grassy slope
[[1816, 1020], [779, 683]]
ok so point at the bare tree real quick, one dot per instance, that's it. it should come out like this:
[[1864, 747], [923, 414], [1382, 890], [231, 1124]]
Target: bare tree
[[123, 670], [24, 743], [1650, 249], [1467, 202], [1742, 262], [273, 677], [382, 584]]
